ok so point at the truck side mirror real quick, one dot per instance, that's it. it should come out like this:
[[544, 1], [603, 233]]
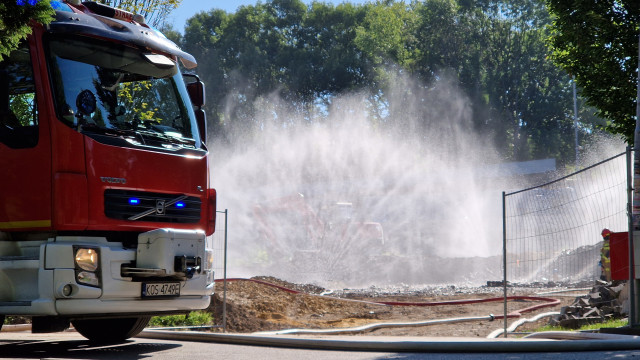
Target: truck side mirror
[[196, 94], [201, 120], [195, 90]]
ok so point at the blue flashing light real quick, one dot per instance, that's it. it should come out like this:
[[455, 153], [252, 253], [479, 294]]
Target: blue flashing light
[[59, 5], [134, 201], [26, 2], [180, 204]]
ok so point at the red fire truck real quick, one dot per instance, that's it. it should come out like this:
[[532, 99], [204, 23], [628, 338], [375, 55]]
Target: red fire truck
[[105, 203]]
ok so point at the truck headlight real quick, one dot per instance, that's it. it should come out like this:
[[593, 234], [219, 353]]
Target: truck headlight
[[87, 264], [208, 259], [87, 259], [208, 266], [87, 278]]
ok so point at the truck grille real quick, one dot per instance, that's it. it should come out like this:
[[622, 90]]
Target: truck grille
[[156, 207]]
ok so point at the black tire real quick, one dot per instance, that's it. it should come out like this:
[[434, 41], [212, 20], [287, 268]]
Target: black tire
[[1, 321], [111, 330]]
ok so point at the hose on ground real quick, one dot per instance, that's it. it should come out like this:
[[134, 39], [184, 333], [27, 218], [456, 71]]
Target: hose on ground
[[560, 292], [578, 335], [374, 326], [592, 342], [520, 322]]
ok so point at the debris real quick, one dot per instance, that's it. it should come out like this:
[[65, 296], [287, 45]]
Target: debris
[[601, 304]]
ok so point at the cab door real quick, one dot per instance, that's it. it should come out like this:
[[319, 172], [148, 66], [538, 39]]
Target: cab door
[[25, 146]]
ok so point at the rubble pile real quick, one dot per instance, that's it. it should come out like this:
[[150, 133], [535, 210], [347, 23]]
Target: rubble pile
[[605, 301]]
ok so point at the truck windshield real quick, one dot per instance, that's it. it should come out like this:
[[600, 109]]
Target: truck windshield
[[111, 89]]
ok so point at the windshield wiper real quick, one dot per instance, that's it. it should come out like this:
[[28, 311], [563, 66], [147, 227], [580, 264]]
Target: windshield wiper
[[163, 136], [88, 127], [143, 136]]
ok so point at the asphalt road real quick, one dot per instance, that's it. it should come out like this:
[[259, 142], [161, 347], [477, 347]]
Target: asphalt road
[[70, 345]]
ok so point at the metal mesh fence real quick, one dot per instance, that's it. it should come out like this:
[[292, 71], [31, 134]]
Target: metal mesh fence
[[218, 242], [552, 231]]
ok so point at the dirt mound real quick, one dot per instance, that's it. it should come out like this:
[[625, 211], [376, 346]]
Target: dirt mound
[[253, 306]]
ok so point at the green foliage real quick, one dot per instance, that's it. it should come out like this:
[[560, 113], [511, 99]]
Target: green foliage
[[196, 318], [297, 59], [14, 21], [612, 323], [384, 31], [24, 108], [16, 320], [597, 42], [139, 97]]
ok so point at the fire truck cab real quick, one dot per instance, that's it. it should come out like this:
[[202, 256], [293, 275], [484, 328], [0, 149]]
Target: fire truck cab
[[105, 201]]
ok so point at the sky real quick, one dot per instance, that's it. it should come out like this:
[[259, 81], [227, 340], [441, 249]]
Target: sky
[[188, 8]]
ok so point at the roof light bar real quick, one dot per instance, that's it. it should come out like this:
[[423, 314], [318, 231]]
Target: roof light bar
[[111, 12]]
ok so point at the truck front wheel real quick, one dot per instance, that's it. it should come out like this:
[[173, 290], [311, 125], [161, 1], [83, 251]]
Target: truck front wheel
[[111, 330]]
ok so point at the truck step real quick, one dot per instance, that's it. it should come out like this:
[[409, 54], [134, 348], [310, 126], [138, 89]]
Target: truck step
[[18, 258], [19, 262], [15, 303]]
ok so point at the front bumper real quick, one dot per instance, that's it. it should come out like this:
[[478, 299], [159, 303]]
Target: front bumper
[[119, 292]]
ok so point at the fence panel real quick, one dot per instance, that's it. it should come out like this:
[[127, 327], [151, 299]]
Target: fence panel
[[552, 231]]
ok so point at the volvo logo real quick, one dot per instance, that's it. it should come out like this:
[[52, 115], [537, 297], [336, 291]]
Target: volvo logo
[[160, 205], [113, 180]]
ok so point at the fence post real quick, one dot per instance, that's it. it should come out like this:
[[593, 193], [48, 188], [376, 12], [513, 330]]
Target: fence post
[[632, 281], [224, 300], [636, 205], [224, 271], [504, 258]]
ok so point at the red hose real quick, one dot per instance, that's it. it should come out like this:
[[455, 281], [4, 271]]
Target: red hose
[[548, 302]]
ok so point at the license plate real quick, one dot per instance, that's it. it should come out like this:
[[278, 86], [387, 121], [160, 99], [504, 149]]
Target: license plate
[[150, 290]]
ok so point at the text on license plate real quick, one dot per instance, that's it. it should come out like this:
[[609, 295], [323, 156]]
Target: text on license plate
[[160, 289]]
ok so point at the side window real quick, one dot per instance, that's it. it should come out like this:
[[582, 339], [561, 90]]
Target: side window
[[18, 107]]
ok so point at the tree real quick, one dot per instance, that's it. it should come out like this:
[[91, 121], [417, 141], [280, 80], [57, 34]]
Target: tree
[[496, 51], [284, 56], [520, 81], [203, 38], [301, 54], [384, 32], [597, 43], [324, 61], [15, 16]]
